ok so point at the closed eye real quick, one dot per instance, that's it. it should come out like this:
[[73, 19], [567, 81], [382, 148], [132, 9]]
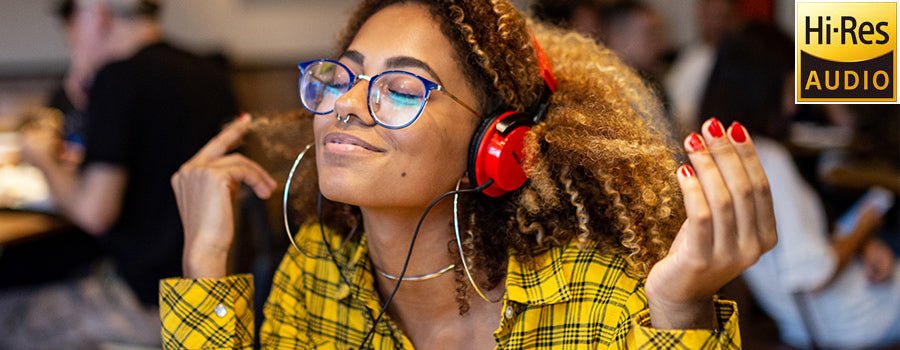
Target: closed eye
[[336, 89], [405, 100]]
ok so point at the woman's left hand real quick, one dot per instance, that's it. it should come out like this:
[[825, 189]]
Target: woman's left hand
[[730, 224]]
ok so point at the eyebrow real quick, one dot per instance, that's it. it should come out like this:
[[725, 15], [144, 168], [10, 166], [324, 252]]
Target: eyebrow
[[394, 62], [406, 61], [354, 56]]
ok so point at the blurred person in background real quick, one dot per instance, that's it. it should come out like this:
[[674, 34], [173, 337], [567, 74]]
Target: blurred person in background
[[582, 16], [633, 30], [685, 81], [834, 291], [636, 33], [148, 107]]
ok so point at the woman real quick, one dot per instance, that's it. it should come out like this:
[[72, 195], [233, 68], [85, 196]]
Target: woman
[[567, 258]]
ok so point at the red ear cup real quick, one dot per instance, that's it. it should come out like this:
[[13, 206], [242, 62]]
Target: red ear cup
[[497, 148], [496, 153]]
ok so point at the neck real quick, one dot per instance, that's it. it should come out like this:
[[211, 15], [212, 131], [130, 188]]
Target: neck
[[389, 233], [424, 309], [129, 36]]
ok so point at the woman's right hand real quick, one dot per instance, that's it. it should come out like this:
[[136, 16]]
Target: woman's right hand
[[204, 188]]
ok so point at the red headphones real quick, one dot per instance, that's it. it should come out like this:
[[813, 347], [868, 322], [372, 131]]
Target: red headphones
[[496, 151]]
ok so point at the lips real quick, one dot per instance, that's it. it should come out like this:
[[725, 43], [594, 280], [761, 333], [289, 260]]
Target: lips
[[347, 139]]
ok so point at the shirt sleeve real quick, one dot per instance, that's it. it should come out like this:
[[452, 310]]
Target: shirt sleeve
[[639, 334], [207, 313]]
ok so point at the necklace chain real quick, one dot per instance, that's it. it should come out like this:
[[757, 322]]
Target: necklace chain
[[424, 277]]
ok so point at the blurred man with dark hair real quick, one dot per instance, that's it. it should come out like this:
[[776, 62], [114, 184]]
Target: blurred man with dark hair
[[149, 106]]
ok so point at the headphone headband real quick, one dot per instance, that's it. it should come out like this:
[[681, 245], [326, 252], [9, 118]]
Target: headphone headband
[[544, 64], [496, 153]]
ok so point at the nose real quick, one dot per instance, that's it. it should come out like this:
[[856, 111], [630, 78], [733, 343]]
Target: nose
[[353, 104]]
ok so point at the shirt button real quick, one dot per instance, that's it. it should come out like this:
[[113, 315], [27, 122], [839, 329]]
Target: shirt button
[[510, 312], [220, 310]]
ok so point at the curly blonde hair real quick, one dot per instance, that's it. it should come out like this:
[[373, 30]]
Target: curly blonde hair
[[599, 166]]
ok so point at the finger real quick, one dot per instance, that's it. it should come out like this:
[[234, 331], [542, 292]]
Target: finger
[[179, 201], [225, 141], [240, 159], [240, 169], [716, 193], [762, 195], [740, 189], [698, 237]]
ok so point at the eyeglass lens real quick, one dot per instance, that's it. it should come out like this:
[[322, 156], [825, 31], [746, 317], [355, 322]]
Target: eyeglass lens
[[395, 98]]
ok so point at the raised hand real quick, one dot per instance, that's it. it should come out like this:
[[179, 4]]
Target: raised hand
[[879, 260], [730, 224], [204, 187]]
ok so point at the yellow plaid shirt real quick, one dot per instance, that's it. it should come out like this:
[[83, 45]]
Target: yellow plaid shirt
[[572, 299]]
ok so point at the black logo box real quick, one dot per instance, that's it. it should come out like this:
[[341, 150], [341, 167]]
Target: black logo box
[[810, 63]]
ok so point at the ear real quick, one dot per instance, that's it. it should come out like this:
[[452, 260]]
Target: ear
[[464, 181]]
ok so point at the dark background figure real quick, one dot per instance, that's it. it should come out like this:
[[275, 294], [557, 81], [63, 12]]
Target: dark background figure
[[149, 106], [631, 29], [636, 33], [749, 79], [685, 81], [582, 16]]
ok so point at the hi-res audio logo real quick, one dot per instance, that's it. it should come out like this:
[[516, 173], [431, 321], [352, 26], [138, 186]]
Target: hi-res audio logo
[[846, 51]]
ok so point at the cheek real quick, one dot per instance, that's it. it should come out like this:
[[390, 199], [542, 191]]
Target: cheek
[[439, 153]]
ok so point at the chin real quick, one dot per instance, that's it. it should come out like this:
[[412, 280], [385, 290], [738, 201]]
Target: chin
[[343, 186]]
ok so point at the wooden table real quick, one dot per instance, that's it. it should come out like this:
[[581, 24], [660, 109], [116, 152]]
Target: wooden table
[[17, 226], [863, 177]]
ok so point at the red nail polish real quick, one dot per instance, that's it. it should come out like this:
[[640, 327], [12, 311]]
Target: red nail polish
[[737, 133], [696, 143], [715, 128], [687, 171]]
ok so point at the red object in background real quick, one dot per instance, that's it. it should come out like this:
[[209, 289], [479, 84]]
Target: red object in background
[[757, 10]]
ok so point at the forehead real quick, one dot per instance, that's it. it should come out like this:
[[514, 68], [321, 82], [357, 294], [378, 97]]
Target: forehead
[[404, 30]]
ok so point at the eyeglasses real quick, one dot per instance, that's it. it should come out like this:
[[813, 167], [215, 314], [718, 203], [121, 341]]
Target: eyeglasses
[[395, 98]]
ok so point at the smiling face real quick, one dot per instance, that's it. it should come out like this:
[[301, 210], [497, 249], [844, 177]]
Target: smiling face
[[363, 164]]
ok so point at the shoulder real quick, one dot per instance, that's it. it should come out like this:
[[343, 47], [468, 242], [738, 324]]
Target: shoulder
[[571, 275], [114, 74], [593, 266]]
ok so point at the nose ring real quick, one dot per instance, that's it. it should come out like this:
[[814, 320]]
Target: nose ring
[[343, 119]]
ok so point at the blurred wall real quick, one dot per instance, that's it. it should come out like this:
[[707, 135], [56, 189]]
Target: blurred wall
[[249, 31], [263, 38]]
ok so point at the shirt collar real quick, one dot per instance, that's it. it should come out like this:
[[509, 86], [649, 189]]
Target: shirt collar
[[542, 282]]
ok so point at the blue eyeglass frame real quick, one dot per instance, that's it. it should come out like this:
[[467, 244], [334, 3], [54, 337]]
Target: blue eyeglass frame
[[354, 78]]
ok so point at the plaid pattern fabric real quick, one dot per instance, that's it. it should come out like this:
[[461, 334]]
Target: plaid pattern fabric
[[207, 313], [570, 299]]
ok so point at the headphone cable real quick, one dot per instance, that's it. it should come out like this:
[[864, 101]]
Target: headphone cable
[[412, 244]]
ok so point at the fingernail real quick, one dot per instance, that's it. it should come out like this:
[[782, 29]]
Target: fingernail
[[737, 133], [715, 128], [696, 142], [244, 116], [686, 170]]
